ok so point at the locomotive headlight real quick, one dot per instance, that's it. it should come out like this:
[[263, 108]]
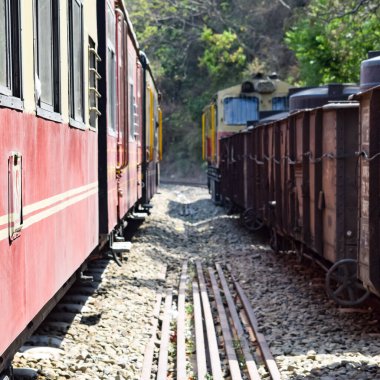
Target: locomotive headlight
[[349, 233]]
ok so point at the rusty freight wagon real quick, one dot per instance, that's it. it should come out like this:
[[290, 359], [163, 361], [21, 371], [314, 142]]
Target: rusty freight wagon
[[367, 266]]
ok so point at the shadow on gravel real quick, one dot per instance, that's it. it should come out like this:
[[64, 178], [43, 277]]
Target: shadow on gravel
[[345, 370], [90, 320], [190, 211], [152, 283]]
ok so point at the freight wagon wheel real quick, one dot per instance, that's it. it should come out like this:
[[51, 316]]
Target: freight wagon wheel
[[299, 249], [274, 241], [342, 284], [228, 206], [250, 220]]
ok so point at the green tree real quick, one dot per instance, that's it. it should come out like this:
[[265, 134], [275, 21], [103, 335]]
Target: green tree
[[330, 38], [197, 47]]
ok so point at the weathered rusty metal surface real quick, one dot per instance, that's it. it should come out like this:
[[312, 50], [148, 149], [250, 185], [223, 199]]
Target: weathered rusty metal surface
[[339, 186], [238, 172], [238, 327], [284, 176], [181, 343], [199, 334], [269, 158], [369, 190], [263, 345], [149, 349], [315, 188], [278, 147], [222, 322], [165, 336], [228, 340], [225, 183], [249, 190], [262, 170], [300, 162], [210, 328]]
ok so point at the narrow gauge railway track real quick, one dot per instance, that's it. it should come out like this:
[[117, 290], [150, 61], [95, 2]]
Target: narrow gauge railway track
[[97, 329], [206, 330], [308, 335]]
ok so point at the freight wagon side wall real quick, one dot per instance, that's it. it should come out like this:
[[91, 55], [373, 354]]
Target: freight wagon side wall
[[369, 180], [339, 186]]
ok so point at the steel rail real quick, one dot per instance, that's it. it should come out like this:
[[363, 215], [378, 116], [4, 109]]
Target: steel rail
[[181, 342], [228, 339], [165, 335], [263, 345], [250, 363], [210, 328], [199, 334], [149, 349]]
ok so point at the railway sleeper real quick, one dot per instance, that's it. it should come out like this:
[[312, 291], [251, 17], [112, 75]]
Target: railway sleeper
[[206, 329]]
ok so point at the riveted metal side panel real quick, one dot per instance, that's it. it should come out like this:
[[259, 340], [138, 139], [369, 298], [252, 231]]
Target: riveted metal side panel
[[369, 180], [278, 174], [261, 175], [340, 142], [248, 172], [289, 160], [238, 188], [284, 132], [315, 183], [305, 190], [224, 166], [299, 173], [271, 165], [266, 160]]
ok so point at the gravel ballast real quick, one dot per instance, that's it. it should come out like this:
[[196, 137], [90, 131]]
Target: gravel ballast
[[310, 337]]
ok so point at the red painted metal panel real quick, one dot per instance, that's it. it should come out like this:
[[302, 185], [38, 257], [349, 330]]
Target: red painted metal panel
[[60, 203]]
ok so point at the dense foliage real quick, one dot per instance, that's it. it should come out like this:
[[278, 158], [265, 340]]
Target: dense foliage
[[200, 46], [330, 38]]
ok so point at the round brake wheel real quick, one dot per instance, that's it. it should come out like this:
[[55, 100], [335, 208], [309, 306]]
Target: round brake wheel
[[251, 221], [342, 284]]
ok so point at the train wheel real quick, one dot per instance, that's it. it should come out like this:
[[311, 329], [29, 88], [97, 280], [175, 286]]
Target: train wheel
[[342, 284], [228, 206], [299, 249], [274, 241], [118, 258], [250, 220]]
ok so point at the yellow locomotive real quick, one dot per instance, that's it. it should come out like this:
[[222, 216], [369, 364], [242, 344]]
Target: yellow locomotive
[[233, 109]]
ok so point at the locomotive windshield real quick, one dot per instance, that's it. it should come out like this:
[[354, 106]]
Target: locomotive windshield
[[237, 111], [280, 103]]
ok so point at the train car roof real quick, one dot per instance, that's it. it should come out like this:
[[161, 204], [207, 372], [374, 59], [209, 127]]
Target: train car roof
[[120, 4], [358, 95]]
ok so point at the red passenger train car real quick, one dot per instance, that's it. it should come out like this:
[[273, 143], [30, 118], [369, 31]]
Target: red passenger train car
[[72, 137]]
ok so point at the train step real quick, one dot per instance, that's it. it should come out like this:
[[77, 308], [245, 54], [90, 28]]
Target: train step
[[121, 246], [138, 216], [208, 330]]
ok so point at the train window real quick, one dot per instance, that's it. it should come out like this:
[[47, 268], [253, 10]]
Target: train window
[[111, 74], [237, 111], [76, 63], [10, 68], [132, 107], [280, 103], [94, 76], [47, 65]]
